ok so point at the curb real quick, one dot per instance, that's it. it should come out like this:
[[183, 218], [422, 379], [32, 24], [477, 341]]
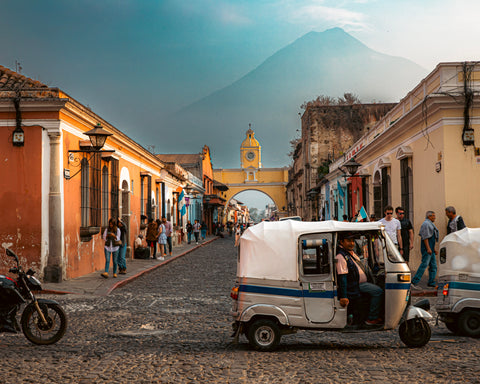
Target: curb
[[144, 272]]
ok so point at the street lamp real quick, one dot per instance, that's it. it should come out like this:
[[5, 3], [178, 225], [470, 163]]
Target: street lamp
[[98, 136], [350, 167]]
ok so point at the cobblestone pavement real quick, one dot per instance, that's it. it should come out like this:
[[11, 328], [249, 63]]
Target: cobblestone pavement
[[173, 326]]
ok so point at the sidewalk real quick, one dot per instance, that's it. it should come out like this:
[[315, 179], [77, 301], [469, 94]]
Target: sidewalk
[[94, 284]]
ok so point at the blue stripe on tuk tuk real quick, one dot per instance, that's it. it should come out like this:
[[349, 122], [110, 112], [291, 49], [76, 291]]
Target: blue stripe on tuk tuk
[[397, 286], [286, 291], [466, 286]]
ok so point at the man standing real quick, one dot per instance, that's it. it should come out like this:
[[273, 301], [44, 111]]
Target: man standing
[[429, 236], [352, 279], [168, 232], [455, 222], [392, 227], [406, 233]]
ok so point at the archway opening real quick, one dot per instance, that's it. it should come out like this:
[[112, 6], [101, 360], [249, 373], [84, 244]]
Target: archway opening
[[260, 207]]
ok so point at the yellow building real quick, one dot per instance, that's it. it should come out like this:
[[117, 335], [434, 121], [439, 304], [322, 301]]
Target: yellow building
[[253, 177], [424, 154]]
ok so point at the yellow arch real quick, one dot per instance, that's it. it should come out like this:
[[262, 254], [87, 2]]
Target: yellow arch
[[271, 181]]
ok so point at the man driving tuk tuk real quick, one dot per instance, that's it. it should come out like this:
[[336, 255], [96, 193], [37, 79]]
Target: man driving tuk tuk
[[353, 281]]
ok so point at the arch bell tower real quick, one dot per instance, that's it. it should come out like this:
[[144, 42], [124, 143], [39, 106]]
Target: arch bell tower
[[250, 156], [251, 176]]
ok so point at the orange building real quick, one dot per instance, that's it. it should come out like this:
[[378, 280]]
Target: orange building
[[56, 194]]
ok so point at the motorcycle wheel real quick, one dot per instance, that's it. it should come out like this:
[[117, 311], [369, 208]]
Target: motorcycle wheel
[[415, 333], [44, 334]]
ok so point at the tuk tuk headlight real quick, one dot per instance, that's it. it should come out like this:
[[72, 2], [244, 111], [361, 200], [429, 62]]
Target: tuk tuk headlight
[[403, 277]]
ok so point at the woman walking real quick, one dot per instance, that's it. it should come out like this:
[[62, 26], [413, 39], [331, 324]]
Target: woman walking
[[112, 238], [162, 241], [122, 262], [238, 233], [152, 237]]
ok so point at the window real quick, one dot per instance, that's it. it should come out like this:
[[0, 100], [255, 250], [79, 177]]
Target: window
[[105, 195], [85, 193], [315, 257], [386, 187], [377, 196], [114, 211], [95, 190], [406, 181]]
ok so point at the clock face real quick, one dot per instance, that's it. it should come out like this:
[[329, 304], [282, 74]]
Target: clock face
[[250, 155]]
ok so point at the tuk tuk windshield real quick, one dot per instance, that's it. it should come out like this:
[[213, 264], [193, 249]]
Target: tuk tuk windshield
[[374, 245]]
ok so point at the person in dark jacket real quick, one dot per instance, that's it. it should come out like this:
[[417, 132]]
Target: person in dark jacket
[[122, 262], [455, 222], [352, 279]]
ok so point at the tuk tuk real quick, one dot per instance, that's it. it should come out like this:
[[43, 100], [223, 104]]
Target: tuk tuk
[[458, 294], [286, 281]]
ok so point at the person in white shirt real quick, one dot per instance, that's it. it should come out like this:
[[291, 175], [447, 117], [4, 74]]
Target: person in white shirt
[[392, 227]]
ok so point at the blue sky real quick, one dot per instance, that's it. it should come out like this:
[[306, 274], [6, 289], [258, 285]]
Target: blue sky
[[136, 61]]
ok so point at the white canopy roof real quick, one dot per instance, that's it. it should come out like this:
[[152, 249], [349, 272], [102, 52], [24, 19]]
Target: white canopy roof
[[463, 252], [269, 250]]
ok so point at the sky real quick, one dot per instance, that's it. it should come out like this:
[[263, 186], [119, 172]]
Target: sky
[[135, 62]]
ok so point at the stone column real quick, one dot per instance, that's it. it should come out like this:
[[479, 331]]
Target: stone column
[[53, 271]]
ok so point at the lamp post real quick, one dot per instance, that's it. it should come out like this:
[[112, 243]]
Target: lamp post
[[350, 167], [98, 136]]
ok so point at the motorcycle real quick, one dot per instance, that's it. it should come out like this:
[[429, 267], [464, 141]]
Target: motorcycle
[[43, 321]]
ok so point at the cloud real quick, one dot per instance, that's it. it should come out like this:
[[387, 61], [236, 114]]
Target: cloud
[[223, 12], [318, 14]]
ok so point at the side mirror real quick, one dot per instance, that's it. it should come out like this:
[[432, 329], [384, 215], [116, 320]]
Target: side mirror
[[11, 254]]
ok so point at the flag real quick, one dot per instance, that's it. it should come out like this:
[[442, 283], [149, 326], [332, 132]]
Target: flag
[[362, 214], [181, 204], [340, 189]]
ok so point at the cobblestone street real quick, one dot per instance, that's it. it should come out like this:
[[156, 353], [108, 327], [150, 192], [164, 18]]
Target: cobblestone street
[[172, 325]]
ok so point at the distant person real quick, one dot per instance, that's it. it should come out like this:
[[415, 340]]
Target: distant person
[[122, 252], [162, 241], [203, 230], [406, 232], [392, 227], [189, 229], [152, 237], [345, 218], [455, 222], [196, 231], [238, 233], [112, 238], [168, 232], [429, 236]]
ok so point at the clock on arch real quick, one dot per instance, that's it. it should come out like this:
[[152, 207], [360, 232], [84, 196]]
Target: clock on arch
[[250, 155]]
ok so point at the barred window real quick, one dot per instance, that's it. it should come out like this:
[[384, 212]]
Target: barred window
[[95, 190], [114, 188], [85, 193], [406, 181], [105, 208]]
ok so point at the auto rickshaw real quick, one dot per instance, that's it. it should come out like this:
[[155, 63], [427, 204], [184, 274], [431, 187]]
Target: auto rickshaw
[[458, 294], [286, 281]]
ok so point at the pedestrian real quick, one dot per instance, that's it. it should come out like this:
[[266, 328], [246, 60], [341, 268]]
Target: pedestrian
[[122, 261], [152, 237], [238, 233], [162, 240], [372, 218], [168, 232], [203, 230], [352, 279], [111, 235], [345, 218], [429, 236], [406, 232], [392, 227], [189, 229], [196, 231], [455, 222]]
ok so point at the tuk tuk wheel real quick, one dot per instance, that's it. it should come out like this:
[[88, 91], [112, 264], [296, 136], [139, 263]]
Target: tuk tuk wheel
[[469, 323], [415, 333], [264, 335]]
